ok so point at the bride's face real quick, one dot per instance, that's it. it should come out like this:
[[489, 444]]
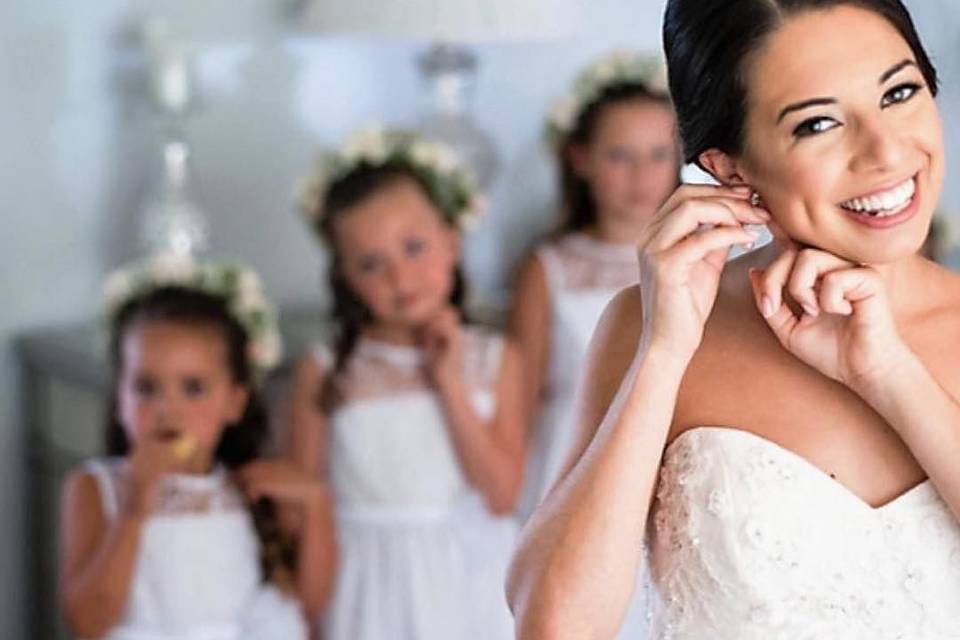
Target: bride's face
[[843, 137]]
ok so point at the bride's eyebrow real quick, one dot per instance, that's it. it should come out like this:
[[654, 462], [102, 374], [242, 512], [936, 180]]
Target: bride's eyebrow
[[895, 69], [805, 104], [819, 102]]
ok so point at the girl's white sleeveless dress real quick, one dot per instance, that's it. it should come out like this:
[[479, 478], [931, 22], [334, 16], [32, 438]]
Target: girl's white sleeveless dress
[[197, 573], [583, 275], [420, 558]]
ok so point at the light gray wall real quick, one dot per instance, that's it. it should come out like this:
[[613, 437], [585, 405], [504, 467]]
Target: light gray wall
[[74, 147]]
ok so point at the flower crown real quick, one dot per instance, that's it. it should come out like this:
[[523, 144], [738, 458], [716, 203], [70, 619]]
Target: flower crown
[[238, 285], [449, 183], [618, 67]]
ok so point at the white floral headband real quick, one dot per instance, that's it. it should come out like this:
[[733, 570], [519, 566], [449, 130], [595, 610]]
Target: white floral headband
[[618, 67], [238, 285], [451, 185]]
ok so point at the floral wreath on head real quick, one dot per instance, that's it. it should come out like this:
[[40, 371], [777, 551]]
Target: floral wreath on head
[[239, 286], [616, 68], [449, 183]]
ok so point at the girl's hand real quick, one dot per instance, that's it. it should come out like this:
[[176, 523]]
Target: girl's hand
[[682, 254], [153, 457], [843, 326], [281, 481], [442, 342]]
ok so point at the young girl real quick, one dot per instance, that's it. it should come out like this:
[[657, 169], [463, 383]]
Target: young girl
[[618, 159], [412, 415], [175, 536]]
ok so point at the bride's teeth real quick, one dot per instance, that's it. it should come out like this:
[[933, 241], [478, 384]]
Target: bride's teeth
[[884, 204]]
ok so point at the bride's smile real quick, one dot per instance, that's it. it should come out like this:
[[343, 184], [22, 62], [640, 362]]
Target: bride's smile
[[844, 140]]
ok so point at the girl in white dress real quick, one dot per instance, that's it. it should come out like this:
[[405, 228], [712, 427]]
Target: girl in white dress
[[175, 536], [410, 414], [618, 159], [789, 419]]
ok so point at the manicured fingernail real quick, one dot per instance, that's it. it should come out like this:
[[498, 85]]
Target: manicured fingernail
[[811, 310], [767, 307]]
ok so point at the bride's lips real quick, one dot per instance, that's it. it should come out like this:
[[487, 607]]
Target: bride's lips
[[901, 211]]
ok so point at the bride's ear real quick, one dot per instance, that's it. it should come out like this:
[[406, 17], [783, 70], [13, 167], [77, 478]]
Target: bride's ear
[[722, 167]]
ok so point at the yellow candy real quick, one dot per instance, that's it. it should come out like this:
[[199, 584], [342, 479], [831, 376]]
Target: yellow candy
[[184, 446]]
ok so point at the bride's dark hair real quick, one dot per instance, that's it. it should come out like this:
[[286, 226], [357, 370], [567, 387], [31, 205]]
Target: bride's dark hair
[[706, 43]]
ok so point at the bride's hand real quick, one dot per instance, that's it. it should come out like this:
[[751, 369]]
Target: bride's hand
[[682, 254], [843, 325]]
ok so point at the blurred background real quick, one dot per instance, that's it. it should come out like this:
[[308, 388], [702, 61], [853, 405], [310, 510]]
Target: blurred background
[[80, 136]]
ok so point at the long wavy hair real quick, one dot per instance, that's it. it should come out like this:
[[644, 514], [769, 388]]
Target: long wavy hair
[[240, 442], [349, 314], [578, 209]]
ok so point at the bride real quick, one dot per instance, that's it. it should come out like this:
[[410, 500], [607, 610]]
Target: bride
[[783, 429]]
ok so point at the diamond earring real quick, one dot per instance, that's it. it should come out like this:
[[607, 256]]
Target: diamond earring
[[755, 199]]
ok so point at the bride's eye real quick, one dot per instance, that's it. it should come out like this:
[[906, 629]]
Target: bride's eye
[[900, 93], [815, 126]]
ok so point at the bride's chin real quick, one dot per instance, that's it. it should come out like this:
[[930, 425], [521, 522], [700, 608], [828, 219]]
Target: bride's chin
[[883, 254]]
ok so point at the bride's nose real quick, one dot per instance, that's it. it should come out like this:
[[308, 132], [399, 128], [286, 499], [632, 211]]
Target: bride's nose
[[879, 147]]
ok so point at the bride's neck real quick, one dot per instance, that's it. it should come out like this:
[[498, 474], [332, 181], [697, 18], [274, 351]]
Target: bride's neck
[[909, 284]]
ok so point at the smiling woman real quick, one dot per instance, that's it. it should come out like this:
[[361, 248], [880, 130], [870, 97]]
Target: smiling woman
[[787, 420], [850, 128]]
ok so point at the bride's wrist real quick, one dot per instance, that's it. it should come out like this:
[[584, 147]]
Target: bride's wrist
[[884, 387], [667, 358]]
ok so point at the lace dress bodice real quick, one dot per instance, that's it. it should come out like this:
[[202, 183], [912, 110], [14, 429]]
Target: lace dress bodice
[[583, 275], [750, 541], [388, 443], [197, 573]]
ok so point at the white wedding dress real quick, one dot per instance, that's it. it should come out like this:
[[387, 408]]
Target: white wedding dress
[[750, 541]]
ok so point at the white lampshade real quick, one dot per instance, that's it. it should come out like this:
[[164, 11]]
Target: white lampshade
[[450, 21], [218, 21]]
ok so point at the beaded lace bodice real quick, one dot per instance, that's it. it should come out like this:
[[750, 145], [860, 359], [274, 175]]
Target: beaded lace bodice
[[750, 541]]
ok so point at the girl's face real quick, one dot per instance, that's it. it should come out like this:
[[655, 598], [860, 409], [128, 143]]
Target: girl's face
[[175, 380], [844, 140], [631, 161], [398, 255]]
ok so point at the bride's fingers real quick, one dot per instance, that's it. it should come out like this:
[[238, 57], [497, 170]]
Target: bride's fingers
[[832, 296], [780, 319], [691, 216], [691, 191], [772, 280], [842, 290], [810, 267], [701, 245]]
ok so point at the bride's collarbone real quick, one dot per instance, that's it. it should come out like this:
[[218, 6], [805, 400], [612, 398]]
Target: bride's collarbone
[[746, 382]]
